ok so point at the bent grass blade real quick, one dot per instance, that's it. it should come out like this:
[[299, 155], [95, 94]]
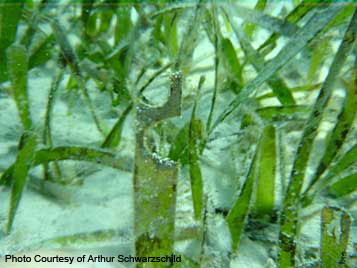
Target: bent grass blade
[[82, 154]]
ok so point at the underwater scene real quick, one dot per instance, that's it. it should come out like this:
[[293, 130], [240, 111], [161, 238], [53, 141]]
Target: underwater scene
[[208, 134]]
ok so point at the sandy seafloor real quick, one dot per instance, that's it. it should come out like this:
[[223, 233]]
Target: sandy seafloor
[[105, 200]]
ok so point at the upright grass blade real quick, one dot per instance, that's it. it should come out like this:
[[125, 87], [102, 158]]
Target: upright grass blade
[[238, 213], [18, 67], [179, 150], [89, 102], [341, 129], [292, 48], [41, 52], [72, 60], [10, 15], [281, 156], [216, 35], [231, 58], [158, 33], [66, 48], [195, 169], [288, 229], [153, 77], [344, 186], [266, 173], [335, 233], [126, 34], [170, 32], [119, 62], [86, 10], [91, 28], [114, 136], [35, 18], [123, 25], [188, 43], [105, 17], [5, 178], [319, 53], [249, 27], [280, 89], [20, 170], [47, 133], [195, 132]]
